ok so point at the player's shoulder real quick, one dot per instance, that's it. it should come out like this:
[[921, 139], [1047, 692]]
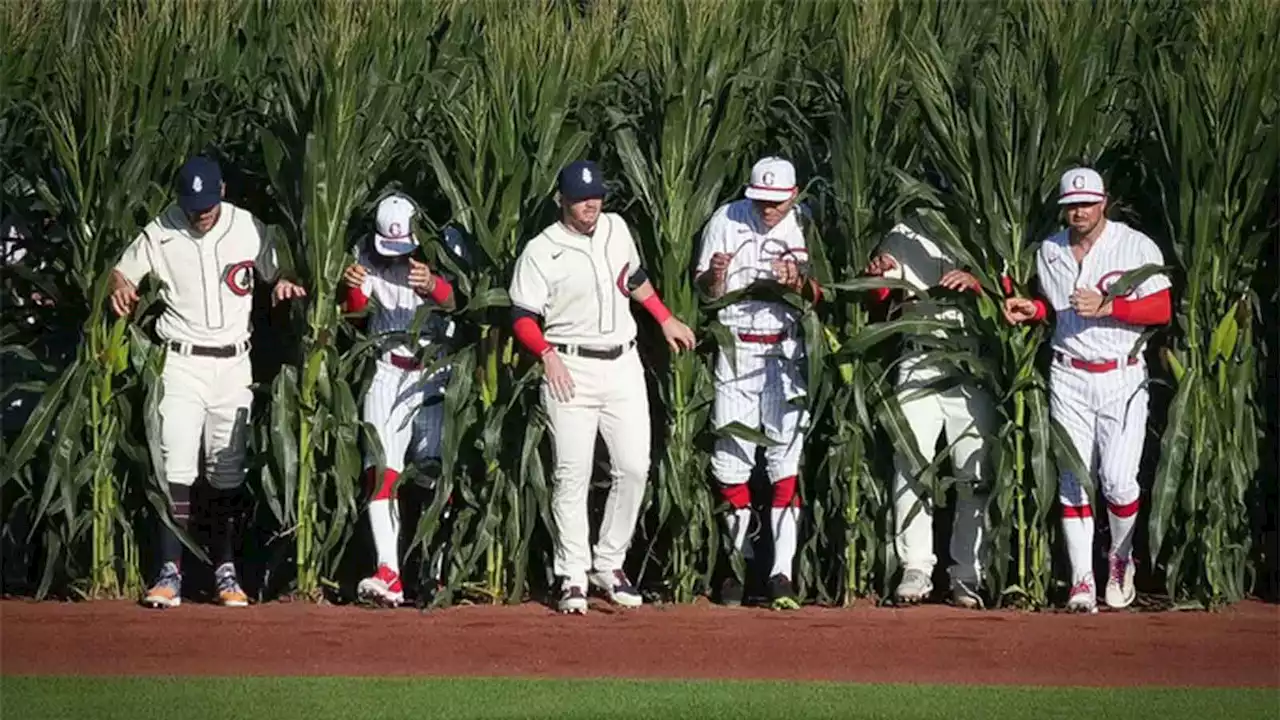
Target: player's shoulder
[[615, 224], [1056, 243], [1132, 236], [540, 246]]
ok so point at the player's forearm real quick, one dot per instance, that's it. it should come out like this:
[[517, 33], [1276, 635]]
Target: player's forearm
[[648, 298], [1041, 307], [707, 281], [1156, 309], [441, 293], [529, 333]]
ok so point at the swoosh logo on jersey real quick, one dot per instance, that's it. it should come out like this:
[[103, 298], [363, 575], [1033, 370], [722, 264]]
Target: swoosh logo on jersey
[[556, 255]]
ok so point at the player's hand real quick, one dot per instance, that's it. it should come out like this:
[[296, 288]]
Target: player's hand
[[960, 281], [557, 377], [420, 277], [1089, 303], [286, 290], [787, 273], [1018, 310], [124, 298], [679, 336], [720, 265], [881, 264], [354, 275]]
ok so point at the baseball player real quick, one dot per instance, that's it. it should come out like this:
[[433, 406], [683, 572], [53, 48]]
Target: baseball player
[[207, 253], [962, 412], [404, 403], [1097, 382], [758, 239], [571, 295]]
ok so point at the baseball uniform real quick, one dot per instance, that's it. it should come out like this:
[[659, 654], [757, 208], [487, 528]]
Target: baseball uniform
[[578, 285], [760, 382], [207, 282], [963, 414], [404, 404], [1097, 388]]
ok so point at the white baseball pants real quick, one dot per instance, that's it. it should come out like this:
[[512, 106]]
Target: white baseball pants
[[761, 393], [406, 410], [966, 417], [1105, 415], [610, 398], [206, 400]]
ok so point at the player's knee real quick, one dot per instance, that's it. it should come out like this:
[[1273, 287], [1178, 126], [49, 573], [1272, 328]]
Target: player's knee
[[738, 495], [634, 469], [1076, 511], [784, 492], [1123, 509]]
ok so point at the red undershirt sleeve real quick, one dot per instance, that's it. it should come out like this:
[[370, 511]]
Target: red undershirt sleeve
[[1154, 309], [356, 300], [529, 334]]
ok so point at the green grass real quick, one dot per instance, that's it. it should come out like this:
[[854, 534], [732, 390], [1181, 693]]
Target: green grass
[[314, 698]]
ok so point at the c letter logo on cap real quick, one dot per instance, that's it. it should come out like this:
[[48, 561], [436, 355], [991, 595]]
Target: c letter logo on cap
[[1077, 182], [768, 178]]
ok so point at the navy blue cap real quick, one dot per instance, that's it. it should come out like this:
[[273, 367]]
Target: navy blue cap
[[580, 180], [199, 184]]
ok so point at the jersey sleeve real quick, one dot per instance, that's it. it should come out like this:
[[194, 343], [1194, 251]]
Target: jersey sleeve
[[712, 241], [1149, 254], [136, 262], [1050, 288], [268, 262], [529, 287]]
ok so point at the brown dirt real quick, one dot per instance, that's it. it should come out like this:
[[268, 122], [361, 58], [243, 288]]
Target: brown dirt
[[1239, 646]]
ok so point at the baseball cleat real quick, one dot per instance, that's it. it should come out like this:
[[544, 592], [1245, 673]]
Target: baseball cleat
[[167, 590], [731, 592], [965, 595], [781, 594], [230, 594], [617, 587], [382, 589], [914, 587], [1084, 598], [1120, 592], [573, 600]]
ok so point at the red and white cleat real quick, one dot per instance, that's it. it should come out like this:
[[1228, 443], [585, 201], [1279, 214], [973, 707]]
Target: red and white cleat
[[382, 589]]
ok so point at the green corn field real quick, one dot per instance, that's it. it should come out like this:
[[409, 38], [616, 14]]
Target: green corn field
[[961, 115]]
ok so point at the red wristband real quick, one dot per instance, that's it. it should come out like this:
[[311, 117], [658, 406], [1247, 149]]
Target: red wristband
[[654, 305], [440, 291], [356, 299], [530, 336], [1042, 310]]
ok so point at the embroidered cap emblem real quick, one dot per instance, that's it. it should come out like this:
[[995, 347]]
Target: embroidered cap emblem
[[768, 178], [1078, 182], [586, 175], [197, 184], [395, 229]]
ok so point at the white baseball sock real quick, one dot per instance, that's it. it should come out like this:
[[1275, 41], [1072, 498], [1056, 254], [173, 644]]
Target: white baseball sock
[[739, 522], [1077, 526], [384, 521], [784, 539], [1122, 520]]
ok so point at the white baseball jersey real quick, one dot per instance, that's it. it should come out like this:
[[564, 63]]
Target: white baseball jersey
[[207, 280], [1117, 250], [387, 285], [921, 263], [736, 229], [577, 283]]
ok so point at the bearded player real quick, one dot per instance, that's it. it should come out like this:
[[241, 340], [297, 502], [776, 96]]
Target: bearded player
[[404, 403], [1098, 378], [571, 296], [206, 253], [759, 381]]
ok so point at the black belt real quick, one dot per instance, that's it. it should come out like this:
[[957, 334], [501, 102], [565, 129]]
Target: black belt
[[220, 351], [612, 352]]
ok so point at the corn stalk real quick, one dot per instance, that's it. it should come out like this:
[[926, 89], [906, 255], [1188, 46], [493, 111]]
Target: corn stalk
[[1211, 108]]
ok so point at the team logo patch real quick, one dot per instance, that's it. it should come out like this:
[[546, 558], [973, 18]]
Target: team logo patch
[[622, 280], [1077, 182], [586, 175], [239, 277], [768, 178], [1106, 281], [197, 185]]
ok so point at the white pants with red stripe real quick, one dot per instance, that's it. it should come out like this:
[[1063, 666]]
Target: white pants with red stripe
[[965, 416], [1105, 415], [610, 400], [759, 385], [406, 410]]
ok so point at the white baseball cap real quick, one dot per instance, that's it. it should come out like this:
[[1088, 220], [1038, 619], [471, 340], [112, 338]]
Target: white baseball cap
[[394, 233], [772, 180], [1079, 186]]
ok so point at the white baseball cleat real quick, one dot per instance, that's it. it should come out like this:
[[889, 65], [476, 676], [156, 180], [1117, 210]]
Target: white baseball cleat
[[1084, 597], [965, 595], [914, 587], [383, 588], [1120, 592], [617, 587], [573, 600]]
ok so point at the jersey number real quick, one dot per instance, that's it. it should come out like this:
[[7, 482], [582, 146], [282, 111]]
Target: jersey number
[[239, 277]]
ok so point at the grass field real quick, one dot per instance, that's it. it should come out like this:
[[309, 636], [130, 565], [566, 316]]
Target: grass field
[[287, 698]]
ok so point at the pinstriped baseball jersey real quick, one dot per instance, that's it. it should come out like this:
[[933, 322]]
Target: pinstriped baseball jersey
[[921, 264], [578, 283], [387, 285], [1117, 250], [207, 279], [737, 229]]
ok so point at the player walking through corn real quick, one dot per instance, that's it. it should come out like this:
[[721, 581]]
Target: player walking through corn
[[960, 410], [404, 403], [574, 282], [1097, 381], [758, 240], [206, 252]]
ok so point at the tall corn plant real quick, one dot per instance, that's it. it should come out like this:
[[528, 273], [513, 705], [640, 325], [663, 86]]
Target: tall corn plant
[[1210, 112], [1044, 89], [113, 116], [514, 78], [869, 134], [684, 130], [340, 76]]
